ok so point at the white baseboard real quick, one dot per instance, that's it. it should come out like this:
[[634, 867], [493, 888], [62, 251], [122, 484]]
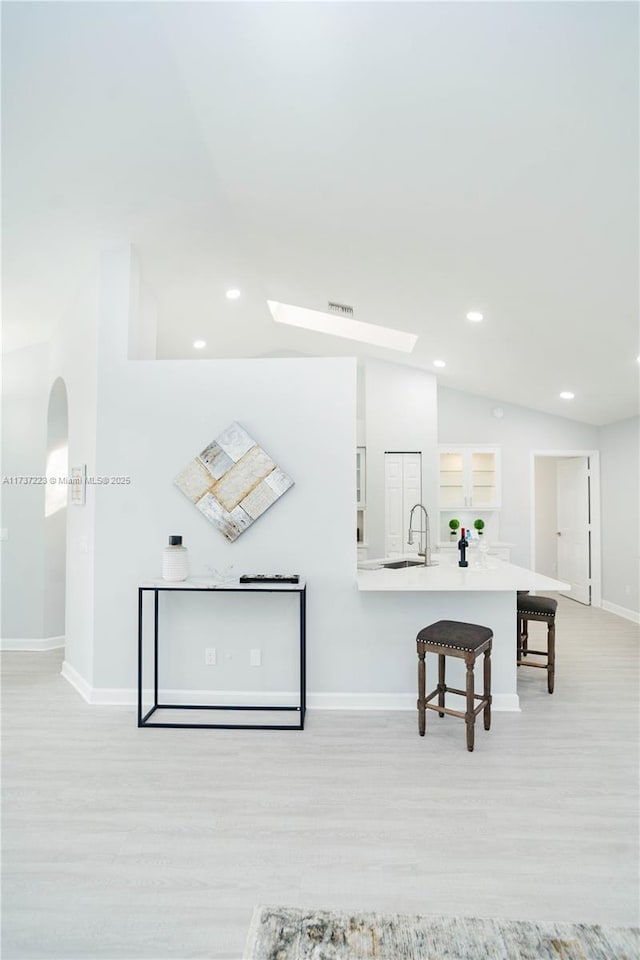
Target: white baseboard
[[29, 645], [105, 696], [77, 681], [632, 615], [391, 701]]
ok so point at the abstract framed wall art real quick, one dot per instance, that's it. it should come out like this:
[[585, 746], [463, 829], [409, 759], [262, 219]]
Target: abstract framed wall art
[[233, 481]]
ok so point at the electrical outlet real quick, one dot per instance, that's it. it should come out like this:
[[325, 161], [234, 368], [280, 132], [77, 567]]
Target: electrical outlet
[[210, 656], [255, 658]]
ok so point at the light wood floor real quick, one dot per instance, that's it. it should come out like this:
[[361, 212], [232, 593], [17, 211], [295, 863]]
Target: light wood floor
[[120, 843]]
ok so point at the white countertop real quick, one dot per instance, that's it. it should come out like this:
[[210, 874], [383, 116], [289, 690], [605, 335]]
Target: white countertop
[[447, 575]]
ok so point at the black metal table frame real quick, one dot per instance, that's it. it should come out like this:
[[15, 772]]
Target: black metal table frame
[[143, 720]]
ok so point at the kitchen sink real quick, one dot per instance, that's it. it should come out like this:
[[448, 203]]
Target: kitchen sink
[[401, 564]]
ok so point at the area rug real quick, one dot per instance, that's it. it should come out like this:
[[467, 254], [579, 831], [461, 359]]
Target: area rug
[[283, 933]]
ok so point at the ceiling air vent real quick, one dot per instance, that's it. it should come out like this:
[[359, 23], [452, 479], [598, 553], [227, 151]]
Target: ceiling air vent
[[341, 309]]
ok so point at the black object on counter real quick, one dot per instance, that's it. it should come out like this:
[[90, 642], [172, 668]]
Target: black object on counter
[[270, 578], [462, 548]]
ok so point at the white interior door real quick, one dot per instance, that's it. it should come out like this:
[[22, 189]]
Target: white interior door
[[574, 548], [393, 532], [411, 484], [402, 489]]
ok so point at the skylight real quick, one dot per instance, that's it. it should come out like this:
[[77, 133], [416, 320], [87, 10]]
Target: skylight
[[342, 327]]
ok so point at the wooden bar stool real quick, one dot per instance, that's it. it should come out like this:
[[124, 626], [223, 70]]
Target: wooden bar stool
[[544, 610], [450, 638], [522, 593]]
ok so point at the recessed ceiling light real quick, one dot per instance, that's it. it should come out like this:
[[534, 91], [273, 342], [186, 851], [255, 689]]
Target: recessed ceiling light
[[232, 294], [199, 344], [567, 395], [475, 317], [439, 363], [342, 326]]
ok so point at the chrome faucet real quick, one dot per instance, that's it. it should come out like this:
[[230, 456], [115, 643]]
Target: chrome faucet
[[426, 552]]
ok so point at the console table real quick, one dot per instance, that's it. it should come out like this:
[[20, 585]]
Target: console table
[[157, 587]]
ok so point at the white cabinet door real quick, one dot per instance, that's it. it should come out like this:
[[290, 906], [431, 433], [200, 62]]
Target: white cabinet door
[[361, 497], [469, 478], [361, 478], [402, 489], [453, 483], [484, 479]]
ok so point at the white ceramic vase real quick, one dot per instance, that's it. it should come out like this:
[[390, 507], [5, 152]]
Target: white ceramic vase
[[175, 561]]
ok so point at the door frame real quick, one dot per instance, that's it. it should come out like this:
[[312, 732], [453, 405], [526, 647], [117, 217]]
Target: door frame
[[594, 510]]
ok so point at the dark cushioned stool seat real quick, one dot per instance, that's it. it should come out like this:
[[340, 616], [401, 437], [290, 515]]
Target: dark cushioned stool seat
[[466, 641], [455, 634], [544, 610], [543, 606]]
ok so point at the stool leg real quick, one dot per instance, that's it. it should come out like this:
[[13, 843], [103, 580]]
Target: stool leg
[[469, 717], [421, 693], [525, 637], [487, 689], [551, 655], [519, 642], [441, 679]]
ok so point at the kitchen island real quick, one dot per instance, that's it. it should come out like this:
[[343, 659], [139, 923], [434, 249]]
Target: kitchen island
[[475, 594]]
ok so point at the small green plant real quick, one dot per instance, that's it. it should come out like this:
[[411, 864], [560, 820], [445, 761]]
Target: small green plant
[[479, 525], [453, 526]]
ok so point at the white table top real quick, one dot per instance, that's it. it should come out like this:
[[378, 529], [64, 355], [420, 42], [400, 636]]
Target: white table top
[[447, 575], [204, 583]]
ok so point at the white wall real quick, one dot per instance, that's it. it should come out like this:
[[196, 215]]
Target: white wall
[[143, 318], [546, 478], [401, 415], [466, 418], [153, 417], [74, 358], [55, 521], [619, 466], [28, 377], [32, 606], [24, 443]]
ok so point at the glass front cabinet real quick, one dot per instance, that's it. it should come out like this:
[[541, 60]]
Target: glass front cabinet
[[469, 477]]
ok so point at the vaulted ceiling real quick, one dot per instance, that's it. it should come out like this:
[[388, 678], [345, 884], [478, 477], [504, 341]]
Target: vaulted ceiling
[[413, 160]]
